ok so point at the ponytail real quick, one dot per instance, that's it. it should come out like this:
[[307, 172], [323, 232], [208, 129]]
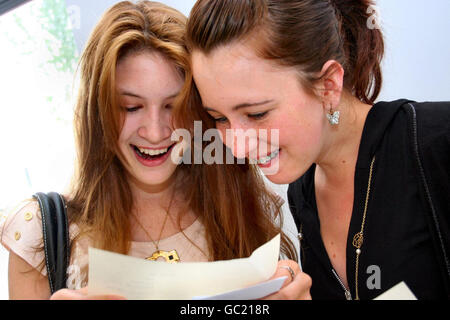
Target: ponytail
[[363, 47]]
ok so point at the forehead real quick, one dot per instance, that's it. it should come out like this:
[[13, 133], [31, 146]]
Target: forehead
[[226, 61], [147, 72], [233, 73]]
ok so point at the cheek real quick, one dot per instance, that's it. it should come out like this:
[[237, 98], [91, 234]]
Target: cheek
[[223, 135], [301, 142], [166, 118], [128, 127]]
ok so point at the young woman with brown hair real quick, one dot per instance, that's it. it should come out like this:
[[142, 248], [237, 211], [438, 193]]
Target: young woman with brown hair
[[127, 195], [369, 182]]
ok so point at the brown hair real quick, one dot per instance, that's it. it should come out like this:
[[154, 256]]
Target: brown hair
[[300, 33], [231, 201]]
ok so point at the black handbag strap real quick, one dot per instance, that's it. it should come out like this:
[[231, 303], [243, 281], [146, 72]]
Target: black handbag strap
[[56, 238]]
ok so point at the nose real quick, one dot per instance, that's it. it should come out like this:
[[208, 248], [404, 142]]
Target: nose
[[155, 126], [242, 141]]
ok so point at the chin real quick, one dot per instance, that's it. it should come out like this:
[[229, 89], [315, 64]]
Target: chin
[[153, 180], [283, 176], [157, 179], [279, 179]]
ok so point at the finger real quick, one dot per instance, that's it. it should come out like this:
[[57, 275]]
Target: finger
[[82, 294], [299, 289], [290, 263], [284, 272], [106, 297], [84, 291], [67, 294], [102, 296]]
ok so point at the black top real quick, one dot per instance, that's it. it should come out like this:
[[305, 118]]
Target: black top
[[398, 244]]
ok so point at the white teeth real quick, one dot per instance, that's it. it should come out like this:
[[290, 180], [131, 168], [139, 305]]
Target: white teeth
[[153, 152], [266, 159]]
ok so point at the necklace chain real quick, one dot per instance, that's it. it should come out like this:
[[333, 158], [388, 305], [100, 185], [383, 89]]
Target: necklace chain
[[170, 256], [359, 237], [156, 243]]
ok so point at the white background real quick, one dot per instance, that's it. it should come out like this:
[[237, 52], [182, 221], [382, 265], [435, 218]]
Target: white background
[[416, 66]]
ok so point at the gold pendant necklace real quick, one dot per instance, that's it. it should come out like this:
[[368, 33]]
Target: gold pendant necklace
[[358, 238], [170, 256]]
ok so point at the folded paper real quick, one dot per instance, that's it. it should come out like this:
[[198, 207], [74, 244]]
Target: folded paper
[[257, 291], [139, 279], [398, 292]]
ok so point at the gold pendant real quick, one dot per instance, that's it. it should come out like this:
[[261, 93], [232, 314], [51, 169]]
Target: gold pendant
[[358, 240], [170, 256]]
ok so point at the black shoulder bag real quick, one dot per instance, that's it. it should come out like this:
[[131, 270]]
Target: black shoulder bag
[[56, 238]]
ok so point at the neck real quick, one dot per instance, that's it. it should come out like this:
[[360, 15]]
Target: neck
[[160, 212], [339, 154], [156, 197]]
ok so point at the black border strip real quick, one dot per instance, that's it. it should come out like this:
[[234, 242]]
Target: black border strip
[[8, 5]]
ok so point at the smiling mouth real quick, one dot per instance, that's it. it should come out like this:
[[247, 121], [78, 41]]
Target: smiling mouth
[[151, 154], [268, 158]]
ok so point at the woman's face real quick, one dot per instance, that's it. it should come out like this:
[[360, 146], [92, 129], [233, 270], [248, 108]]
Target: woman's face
[[242, 91], [147, 85]]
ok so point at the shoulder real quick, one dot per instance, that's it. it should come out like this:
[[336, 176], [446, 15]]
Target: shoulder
[[433, 110], [432, 124], [22, 221], [433, 118], [431, 121], [21, 232], [432, 127]]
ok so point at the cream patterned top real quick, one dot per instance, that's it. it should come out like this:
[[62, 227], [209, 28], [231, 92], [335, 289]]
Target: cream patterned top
[[21, 232]]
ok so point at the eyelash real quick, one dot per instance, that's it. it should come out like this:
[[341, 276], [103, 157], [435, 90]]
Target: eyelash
[[131, 109], [255, 116], [258, 116], [134, 109], [220, 120]]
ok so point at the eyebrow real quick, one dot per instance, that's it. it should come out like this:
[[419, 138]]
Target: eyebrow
[[131, 94], [127, 93], [243, 105]]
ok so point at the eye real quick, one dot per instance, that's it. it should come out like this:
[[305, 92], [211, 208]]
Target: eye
[[132, 109], [169, 106], [220, 120], [257, 116]]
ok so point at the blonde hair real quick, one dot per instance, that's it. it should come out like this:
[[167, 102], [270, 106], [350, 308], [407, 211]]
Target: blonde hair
[[101, 199]]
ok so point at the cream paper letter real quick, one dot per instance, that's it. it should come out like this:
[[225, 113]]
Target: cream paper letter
[[137, 279]]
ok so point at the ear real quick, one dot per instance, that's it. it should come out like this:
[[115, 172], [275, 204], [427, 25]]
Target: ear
[[331, 83]]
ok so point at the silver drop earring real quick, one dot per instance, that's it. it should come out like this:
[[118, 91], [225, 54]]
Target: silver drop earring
[[333, 117]]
